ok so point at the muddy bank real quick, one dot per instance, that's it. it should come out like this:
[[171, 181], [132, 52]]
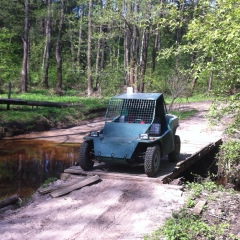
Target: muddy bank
[[15, 128]]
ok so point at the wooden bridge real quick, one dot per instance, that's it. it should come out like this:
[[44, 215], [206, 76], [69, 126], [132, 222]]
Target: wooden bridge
[[167, 173], [197, 142]]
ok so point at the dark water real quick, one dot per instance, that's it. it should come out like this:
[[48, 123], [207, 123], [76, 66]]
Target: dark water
[[26, 164]]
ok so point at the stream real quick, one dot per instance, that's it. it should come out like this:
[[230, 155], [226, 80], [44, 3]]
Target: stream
[[26, 164]]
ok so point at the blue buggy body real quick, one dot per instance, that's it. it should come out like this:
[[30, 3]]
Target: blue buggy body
[[137, 130]]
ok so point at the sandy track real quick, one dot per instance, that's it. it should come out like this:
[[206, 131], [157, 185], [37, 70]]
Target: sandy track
[[107, 210]]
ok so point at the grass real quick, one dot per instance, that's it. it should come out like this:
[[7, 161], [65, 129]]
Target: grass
[[184, 114], [27, 113], [197, 97], [26, 118], [49, 180]]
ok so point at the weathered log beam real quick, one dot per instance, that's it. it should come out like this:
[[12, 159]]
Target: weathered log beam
[[83, 183], [9, 201], [14, 101], [188, 162], [76, 170]]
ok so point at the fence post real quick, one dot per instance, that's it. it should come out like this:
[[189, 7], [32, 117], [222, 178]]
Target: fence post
[[9, 94]]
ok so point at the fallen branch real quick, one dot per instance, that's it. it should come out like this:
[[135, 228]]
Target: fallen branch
[[9, 201], [13, 101]]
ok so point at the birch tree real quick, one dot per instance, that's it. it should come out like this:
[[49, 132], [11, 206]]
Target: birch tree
[[89, 52]]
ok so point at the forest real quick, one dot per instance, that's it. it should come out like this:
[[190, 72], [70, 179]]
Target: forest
[[98, 48]]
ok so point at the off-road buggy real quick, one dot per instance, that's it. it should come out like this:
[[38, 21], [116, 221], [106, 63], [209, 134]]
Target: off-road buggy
[[137, 130]]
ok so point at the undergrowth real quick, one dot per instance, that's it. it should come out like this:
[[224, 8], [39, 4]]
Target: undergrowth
[[184, 114], [184, 225], [47, 181]]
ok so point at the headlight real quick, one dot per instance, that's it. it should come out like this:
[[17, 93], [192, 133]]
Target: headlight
[[144, 136], [94, 134]]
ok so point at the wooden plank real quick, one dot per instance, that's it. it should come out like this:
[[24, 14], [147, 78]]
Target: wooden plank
[[199, 207], [188, 162], [124, 176], [53, 188], [73, 187], [137, 178], [9, 201], [120, 176], [48, 189]]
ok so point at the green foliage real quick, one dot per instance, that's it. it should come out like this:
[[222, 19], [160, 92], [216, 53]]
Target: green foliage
[[196, 189], [227, 113], [229, 161], [185, 226], [230, 155], [215, 42], [190, 203], [111, 81], [215, 34], [9, 62], [184, 114]]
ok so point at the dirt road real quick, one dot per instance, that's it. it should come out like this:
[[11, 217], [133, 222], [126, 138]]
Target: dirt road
[[110, 209]]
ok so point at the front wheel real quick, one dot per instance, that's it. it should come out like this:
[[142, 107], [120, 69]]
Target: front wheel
[[174, 155], [85, 157], [152, 160]]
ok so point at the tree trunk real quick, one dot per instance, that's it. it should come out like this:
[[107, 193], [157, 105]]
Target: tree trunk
[[25, 39], [134, 53], [154, 51], [210, 77], [210, 81], [126, 55], [72, 49], [193, 84], [98, 56], [89, 74], [58, 51], [46, 53], [79, 42], [143, 58]]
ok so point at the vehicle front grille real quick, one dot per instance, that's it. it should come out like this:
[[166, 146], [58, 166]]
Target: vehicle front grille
[[131, 110]]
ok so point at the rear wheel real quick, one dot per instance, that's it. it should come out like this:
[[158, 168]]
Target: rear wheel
[[85, 156], [152, 160], [174, 156]]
